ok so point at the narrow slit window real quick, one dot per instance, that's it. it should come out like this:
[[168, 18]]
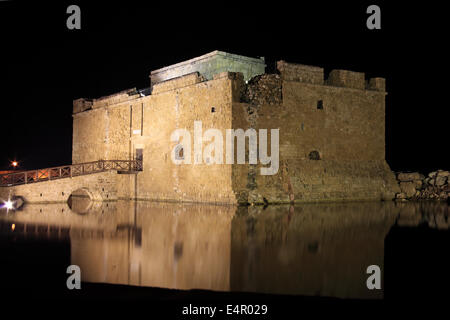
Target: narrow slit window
[[314, 155], [320, 105]]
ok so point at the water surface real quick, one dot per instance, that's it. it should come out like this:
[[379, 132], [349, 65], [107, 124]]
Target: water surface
[[310, 249]]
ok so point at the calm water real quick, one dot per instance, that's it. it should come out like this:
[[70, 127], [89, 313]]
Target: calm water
[[309, 250]]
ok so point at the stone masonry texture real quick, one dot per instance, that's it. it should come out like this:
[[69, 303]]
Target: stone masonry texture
[[99, 186], [332, 133]]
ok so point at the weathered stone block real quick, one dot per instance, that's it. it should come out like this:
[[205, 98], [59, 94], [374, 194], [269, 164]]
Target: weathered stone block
[[443, 173], [300, 72], [440, 181], [80, 105], [378, 84], [345, 78], [410, 176], [408, 188]]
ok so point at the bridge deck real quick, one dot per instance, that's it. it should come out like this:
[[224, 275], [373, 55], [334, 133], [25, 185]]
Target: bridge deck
[[73, 170]]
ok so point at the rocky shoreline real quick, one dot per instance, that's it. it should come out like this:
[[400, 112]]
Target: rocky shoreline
[[416, 186]]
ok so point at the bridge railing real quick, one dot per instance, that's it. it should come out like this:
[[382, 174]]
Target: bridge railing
[[73, 170]]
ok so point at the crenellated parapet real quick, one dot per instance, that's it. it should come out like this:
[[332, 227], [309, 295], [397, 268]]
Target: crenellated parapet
[[336, 78], [377, 84], [82, 104], [347, 79], [300, 72]]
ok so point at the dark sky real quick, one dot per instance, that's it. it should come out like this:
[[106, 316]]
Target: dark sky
[[44, 66]]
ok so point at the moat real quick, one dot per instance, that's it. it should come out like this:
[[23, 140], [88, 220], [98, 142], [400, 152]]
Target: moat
[[315, 250]]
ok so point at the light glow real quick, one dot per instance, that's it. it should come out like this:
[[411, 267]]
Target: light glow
[[8, 205], [14, 163]]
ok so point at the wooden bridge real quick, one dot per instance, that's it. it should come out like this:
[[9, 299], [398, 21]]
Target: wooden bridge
[[69, 171]]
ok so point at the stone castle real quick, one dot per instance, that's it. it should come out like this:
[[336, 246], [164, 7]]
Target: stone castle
[[331, 136], [331, 132]]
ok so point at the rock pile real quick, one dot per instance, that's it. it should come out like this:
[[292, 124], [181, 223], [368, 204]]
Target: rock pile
[[414, 185], [263, 89]]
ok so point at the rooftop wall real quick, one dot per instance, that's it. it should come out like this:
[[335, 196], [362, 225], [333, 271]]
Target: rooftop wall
[[300, 72], [178, 82], [83, 104], [210, 64], [336, 78], [345, 78], [122, 96], [377, 84]]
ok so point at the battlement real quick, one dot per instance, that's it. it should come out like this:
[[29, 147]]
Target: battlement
[[337, 78], [82, 104], [300, 72], [377, 84], [218, 64], [345, 78]]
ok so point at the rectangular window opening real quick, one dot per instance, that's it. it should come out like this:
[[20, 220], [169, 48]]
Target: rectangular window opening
[[320, 105]]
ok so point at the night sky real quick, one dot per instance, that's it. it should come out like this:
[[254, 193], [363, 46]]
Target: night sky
[[44, 66]]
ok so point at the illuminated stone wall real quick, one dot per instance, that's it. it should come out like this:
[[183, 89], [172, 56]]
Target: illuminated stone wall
[[341, 119], [332, 135], [100, 187], [115, 131]]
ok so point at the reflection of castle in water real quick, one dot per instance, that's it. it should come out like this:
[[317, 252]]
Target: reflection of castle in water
[[313, 249]]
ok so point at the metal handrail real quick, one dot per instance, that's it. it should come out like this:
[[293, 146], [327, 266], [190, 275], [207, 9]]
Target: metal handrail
[[68, 171]]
